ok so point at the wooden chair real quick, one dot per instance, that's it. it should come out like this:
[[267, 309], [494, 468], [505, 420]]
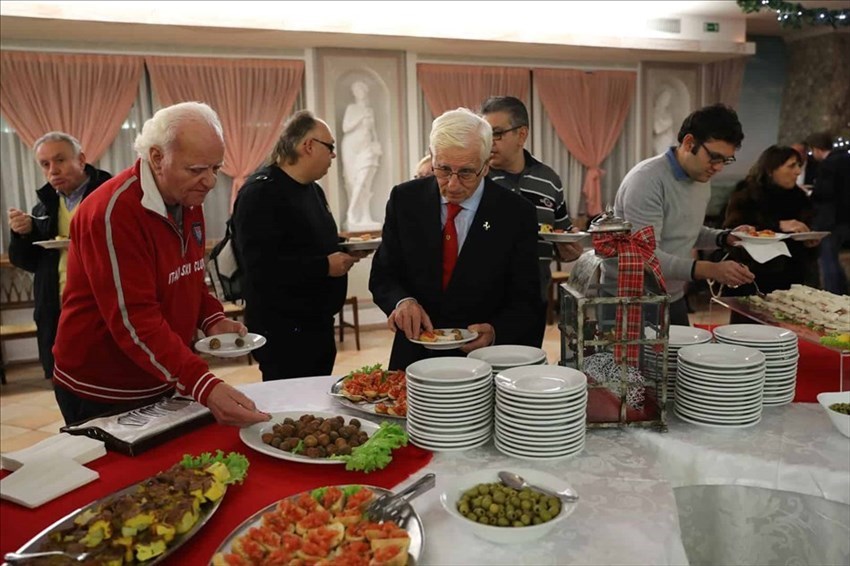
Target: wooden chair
[[16, 293], [355, 325]]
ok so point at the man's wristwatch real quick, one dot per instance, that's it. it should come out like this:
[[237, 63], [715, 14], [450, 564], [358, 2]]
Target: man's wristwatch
[[721, 238]]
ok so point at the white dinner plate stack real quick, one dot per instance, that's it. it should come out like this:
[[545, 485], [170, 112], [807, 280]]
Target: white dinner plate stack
[[678, 337], [540, 412], [720, 385], [508, 356], [780, 349], [449, 403]]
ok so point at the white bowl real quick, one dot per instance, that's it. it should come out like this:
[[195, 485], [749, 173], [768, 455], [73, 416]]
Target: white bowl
[[504, 535], [840, 420]]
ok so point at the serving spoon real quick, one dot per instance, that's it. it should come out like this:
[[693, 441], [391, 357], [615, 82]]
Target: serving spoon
[[14, 557], [516, 481]]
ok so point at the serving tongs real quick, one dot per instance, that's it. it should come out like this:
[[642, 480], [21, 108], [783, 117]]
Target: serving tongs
[[396, 507]]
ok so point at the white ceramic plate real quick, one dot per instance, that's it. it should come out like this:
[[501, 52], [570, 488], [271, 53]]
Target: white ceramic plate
[[702, 408], [361, 245], [432, 435], [468, 336], [508, 356], [541, 381], [450, 397], [522, 454], [450, 446], [539, 423], [563, 237], [711, 424], [744, 415], [718, 379], [448, 411], [803, 236], [778, 237], [447, 371], [547, 432], [451, 424], [521, 404], [520, 438], [526, 411], [228, 348], [448, 392], [252, 436], [679, 336], [720, 356], [63, 244], [760, 333]]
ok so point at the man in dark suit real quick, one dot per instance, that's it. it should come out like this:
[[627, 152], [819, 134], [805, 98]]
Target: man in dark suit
[[458, 250]]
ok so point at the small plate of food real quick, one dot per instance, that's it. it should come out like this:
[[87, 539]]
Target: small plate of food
[[550, 234], [374, 391], [361, 243], [761, 236], [58, 243], [230, 344], [445, 338]]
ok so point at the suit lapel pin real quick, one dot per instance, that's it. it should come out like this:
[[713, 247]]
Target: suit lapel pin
[[486, 225]]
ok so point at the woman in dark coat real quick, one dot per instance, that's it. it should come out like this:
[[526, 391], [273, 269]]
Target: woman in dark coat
[[769, 199]]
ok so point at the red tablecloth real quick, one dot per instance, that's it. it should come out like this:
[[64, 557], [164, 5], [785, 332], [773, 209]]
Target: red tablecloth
[[269, 479]]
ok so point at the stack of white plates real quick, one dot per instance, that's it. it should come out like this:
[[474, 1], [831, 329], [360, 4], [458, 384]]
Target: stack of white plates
[[449, 403], [509, 356], [540, 412], [678, 337], [781, 351], [720, 385]]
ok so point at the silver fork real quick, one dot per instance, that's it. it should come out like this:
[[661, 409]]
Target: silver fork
[[396, 507], [758, 291], [38, 217], [13, 557]]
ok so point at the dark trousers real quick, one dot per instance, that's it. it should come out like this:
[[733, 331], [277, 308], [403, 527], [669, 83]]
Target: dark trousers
[[45, 337], [834, 279], [75, 409], [294, 350]]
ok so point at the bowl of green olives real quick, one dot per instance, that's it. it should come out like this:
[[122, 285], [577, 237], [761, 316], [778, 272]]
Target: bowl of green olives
[[500, 514], [837, 407]]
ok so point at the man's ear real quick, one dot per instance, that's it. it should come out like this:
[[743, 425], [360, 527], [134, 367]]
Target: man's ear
[[155, 156], [82, 159]]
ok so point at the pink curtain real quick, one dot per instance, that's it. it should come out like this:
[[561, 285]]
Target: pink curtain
[[87, 96], [447, 87], [723, 80], [588, 110], [251, 96]]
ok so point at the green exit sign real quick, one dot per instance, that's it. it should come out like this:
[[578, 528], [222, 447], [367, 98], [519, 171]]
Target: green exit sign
[[713, 27]]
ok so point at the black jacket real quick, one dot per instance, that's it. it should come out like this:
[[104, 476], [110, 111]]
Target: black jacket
[[45, 263], [831, 192], [496, 279], [283, 232]]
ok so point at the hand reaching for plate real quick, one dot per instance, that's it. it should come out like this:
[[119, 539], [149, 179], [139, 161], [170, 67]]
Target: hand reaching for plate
[[793, 226], [486, 337], [230, 406]]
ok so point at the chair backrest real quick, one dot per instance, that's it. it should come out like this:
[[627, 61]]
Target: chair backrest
[[16, 288]]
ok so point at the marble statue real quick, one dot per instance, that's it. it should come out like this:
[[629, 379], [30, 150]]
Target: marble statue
[[663, 134], [361, 155]]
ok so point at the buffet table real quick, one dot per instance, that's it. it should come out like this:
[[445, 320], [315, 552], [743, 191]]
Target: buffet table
[[781, 489]]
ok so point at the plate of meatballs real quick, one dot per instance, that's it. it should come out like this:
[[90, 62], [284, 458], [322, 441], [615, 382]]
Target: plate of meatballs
[[313, 437]]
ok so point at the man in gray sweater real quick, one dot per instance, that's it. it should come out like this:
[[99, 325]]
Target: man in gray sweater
[[671, 191]]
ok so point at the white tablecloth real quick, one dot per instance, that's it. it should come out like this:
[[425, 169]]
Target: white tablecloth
[[628, 510]]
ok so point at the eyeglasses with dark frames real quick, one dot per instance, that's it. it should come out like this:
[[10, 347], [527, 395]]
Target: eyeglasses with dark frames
[[462, 175], [715, 158], [330, 146], [498, 134]]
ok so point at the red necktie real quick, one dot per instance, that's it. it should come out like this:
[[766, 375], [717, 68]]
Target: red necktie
[[450, 246]]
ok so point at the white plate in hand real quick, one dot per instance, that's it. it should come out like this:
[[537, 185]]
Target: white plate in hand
[[761, 239], [227, 344], [468, 336], [62, 244], [361, 245], [562, 237], [803, 236]]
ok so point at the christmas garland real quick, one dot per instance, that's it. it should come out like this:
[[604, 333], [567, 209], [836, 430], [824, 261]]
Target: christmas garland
[[795, 15]]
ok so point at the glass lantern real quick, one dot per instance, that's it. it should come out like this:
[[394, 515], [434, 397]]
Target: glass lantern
[[620, 342]]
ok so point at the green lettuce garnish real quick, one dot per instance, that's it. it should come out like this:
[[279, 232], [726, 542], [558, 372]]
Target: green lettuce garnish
[[236, 463], [364, 369], [299, 448], [375, 453]]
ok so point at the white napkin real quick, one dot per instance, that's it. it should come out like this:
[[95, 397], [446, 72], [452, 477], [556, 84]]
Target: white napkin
[[763, 253], [44, 479], [81, 449]]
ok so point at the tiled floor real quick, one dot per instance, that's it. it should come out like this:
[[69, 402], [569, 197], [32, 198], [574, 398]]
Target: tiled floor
[[28, 411]]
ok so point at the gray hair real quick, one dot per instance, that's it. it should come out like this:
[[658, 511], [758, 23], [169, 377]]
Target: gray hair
[[511, 105], [295, 129], [59, 137], [161, 129], [461, 128]]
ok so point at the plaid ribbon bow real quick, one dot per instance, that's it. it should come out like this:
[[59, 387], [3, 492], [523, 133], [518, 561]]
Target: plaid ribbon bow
[[634, 251]]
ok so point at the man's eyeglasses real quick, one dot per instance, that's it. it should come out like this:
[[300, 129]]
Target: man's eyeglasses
[[330, 146], [715, 158], [462, 175], [498, 134]]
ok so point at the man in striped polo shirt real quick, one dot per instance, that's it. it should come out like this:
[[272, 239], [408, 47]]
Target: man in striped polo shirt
[[513, 167]]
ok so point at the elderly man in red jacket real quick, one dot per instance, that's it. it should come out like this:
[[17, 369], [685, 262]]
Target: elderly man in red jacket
[[135, 293]]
